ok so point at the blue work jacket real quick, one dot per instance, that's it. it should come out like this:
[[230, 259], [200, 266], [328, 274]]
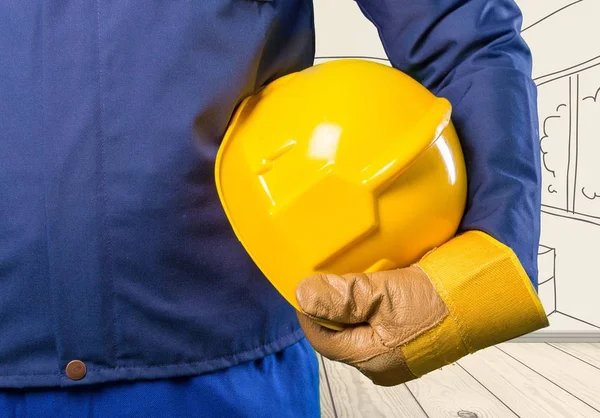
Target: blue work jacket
[[114, 248]]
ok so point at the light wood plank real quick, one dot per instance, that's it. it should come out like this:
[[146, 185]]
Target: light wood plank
[[356, 396], [524, 391], [571, 374], [588, 352], [327, 409], [452, 392]]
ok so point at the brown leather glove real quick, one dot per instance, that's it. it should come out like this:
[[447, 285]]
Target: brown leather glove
[[466, 295], [386, 309]]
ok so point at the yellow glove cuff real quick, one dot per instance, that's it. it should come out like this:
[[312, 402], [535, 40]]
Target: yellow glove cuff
[[488, 294]]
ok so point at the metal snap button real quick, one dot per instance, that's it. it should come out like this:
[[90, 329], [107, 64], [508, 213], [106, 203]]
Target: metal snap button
[[76, 370]]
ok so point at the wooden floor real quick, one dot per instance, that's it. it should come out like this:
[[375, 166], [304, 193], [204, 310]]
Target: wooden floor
[[507, 380]]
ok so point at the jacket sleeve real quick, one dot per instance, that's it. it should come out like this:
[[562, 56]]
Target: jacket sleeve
[[471, 52]]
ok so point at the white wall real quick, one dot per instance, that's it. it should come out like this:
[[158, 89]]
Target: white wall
[[565, 40]]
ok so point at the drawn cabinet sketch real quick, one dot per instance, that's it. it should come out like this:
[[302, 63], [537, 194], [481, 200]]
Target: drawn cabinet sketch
[[563, 37]]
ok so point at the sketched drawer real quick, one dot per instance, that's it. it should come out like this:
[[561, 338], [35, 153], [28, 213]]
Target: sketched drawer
[[546, 268]]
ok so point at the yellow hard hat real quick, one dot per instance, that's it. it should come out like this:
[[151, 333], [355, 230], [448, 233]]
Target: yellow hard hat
[[347, 166]]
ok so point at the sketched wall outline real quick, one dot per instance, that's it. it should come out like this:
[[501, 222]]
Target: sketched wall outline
[[549, 15], [556, 38]]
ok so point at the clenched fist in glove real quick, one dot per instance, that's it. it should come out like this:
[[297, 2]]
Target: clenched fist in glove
[[466, 295]]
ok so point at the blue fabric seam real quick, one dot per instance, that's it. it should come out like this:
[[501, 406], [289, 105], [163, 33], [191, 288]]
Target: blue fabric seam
[[293, 335], [104, 191], [55, 326]]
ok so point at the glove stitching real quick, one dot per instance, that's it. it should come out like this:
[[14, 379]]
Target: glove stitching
[[351, 360], [377, 353], [444, 293], [415, 335]]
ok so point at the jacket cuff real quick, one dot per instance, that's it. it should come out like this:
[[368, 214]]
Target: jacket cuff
[[487, 291]]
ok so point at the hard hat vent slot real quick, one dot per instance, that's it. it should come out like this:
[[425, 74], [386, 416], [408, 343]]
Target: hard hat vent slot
[[266, 163]]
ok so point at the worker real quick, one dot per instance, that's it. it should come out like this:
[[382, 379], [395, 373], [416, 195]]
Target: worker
[[123, 290]]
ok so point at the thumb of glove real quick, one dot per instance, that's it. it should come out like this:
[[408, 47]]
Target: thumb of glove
[[346, 299]]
